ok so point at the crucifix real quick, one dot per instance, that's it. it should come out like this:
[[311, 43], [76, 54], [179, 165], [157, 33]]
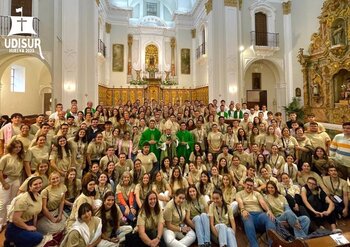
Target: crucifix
[[21, 21]]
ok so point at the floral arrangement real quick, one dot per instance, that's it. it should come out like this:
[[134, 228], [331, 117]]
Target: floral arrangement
[[138, 82], [169, 82]]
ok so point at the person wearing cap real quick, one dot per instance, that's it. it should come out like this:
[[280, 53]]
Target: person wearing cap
[[9, 130], [152, 136], [186, 142], [168, 142]]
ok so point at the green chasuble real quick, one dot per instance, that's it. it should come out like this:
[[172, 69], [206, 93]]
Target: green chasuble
[[186, 149], [151, 134]]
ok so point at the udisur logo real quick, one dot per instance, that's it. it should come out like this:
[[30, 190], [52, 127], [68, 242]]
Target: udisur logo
[[22, 25]]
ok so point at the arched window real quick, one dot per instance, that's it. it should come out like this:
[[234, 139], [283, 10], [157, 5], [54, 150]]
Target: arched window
[[260, 29]]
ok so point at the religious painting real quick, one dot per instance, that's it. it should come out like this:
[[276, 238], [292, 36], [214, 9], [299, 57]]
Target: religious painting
[[118, 58], [185, 61], [298, 92]]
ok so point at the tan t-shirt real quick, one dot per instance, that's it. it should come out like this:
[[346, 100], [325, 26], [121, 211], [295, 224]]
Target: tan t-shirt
[[220, 215], [147, 160], [25, 140], [197, 207], [106, 159], [229, 194], [11, 166], [143, 191], [24, 185], [250, 200], [54, 196], [97, 151], [338, 187], [150, 223], [215, 140], [28, 207], [35, 155], [125, 190], [174, 214], [276, 204]]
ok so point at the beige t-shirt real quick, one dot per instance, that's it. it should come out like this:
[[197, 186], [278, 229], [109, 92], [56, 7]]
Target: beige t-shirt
[[143, 191], [197, 207], [106, 159], [276, 204], [147, 160], [239, 171], [11, 166], [64, 163], [150, 223], [25, 140], [70, 189], [215, 140], [35, 155], [97, 151], [318, 139], [220, 215], [174, 214], [338, 187], [160, 187], [28, 207], [229, 194], [250, 200], [125, 191], [24, 185], [54, 196]]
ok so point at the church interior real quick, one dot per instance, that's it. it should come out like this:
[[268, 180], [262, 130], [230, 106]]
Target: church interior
[[114, 52]]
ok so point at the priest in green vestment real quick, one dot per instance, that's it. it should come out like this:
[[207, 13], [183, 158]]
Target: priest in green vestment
[[152, 136], [186, 142]]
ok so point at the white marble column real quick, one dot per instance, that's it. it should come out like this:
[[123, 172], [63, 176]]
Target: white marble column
[[70, 46], [288, 50], [232, 57], [210, 49], [108, 54]]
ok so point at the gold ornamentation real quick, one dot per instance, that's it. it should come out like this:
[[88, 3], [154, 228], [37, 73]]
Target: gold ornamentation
[[108, 27], [172, 42], [193, 32], [98, 2], [151, 57], [240, 4], [287, 7], [209, 6], [327, 68], [231, 3]]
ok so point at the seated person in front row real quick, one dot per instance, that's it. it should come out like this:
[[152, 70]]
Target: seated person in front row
[[338, 191], [319, 206], [252, 206]]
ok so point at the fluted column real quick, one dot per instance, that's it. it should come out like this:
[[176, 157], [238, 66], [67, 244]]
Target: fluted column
[[172, 45]]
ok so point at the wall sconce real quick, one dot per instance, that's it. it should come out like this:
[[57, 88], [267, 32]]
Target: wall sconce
[[69, 86]]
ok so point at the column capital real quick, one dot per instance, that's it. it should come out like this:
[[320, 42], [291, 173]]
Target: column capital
[[98, 2], [193, 32], [231, 3], [172, 42], [287, 7], [209, 6], [130, 39], [108, 27]]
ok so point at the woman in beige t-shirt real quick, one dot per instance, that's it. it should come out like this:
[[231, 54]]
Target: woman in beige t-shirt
[[222, 222], [53, 195], [35, 155], [142, 189], [42, 170], [22, 227], [11, 167]]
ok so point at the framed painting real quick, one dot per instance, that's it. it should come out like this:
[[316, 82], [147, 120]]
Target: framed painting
[[118, 58], [185, 61]]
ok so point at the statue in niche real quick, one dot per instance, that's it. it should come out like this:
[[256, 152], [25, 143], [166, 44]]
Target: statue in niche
[[338, 34], [315, 89]]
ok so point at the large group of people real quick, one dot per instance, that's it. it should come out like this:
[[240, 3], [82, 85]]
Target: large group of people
[[156, 174]]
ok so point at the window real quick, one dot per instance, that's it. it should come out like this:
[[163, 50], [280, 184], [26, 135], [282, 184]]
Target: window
[[260, 29], [18, 82], [151, 9]]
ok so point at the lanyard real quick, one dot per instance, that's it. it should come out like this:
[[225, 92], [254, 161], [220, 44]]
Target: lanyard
[[290, 172], [275, 163], [219, 214], [335, 190], [178, 211], [199, 207]]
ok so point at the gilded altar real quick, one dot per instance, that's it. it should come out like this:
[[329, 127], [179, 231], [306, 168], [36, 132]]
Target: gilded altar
[[326, 67]]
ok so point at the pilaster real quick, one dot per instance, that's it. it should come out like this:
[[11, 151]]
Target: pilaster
[[288, 48]]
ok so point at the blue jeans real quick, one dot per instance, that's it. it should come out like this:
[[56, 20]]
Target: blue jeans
[[226, 236], [21, 237], [257, 221], [202, 227], [291, 218], [131, 218]]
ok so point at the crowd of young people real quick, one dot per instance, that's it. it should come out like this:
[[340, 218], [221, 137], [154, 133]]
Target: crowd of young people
[[156, 174]]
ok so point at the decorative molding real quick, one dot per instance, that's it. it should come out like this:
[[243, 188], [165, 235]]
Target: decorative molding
[[287, 7], [231, 3], [209, 6], [193, 32], [240, 4], [130, 39], [98, 2], [108, 27]]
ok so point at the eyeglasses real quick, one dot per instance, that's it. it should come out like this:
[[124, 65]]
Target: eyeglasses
[[314, 184]]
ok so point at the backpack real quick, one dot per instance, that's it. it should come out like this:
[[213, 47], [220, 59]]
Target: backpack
[[11, 207]]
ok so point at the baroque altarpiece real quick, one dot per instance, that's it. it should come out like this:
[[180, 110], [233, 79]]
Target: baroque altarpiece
[[326, 69]]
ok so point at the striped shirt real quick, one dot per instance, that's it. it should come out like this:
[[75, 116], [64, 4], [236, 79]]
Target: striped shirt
[[340, 149]]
